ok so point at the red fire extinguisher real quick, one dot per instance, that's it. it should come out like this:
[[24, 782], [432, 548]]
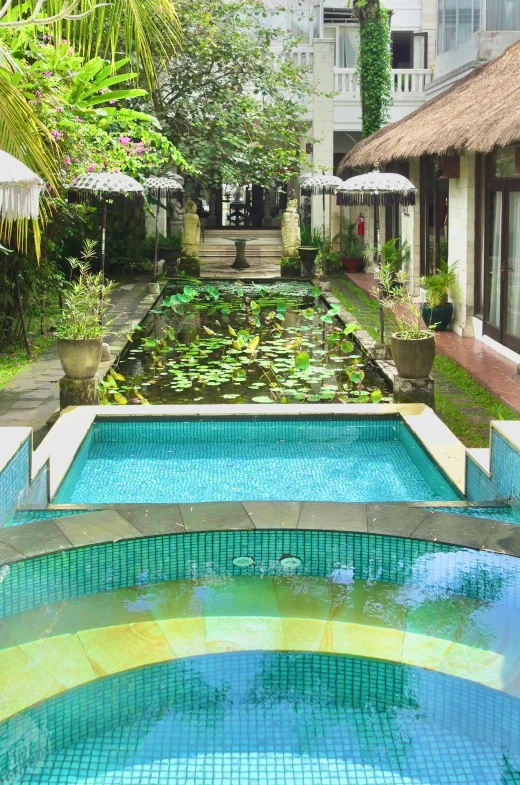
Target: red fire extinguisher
[[361, 226]]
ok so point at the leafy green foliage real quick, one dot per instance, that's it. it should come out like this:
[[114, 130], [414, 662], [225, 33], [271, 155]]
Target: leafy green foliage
[[86, 300], [234, 110], [440, 285], [374, 64], [397, 299]]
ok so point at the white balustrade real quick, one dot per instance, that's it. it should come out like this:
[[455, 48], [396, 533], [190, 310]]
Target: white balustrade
[[404, 81]]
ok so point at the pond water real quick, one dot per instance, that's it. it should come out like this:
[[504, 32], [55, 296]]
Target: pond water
[[234, 342]]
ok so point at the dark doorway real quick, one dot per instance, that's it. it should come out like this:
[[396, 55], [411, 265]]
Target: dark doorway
[[402, 49]]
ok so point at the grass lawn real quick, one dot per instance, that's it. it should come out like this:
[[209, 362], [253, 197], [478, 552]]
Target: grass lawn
[[13, 359], [366, 311]]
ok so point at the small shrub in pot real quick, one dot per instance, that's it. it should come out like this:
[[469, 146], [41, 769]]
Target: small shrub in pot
[[413, 347], [437, 311], [80, 326]]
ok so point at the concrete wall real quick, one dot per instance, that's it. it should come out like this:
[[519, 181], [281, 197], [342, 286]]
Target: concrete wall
[[484, 45]]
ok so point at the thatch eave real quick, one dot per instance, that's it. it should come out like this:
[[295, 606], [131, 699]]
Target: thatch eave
[[477, 114]]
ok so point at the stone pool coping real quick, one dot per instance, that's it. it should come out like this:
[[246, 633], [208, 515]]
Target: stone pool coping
[[66, 437], [112, 523]]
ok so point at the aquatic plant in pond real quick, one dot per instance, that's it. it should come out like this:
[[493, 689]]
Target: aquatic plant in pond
[[242, 342]]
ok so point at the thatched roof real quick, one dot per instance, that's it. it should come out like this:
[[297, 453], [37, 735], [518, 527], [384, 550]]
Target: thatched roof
[[477, 114]]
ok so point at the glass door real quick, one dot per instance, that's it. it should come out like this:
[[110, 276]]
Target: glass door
[[512, 272], [502, 269]]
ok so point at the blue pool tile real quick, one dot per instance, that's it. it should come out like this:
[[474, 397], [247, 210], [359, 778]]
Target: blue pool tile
[[292, 460]]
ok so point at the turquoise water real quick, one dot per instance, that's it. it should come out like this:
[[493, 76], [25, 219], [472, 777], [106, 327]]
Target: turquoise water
[[274, 718], [203, 461], [258, 716]]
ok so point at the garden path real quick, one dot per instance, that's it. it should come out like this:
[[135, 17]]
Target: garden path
[[32, 396]]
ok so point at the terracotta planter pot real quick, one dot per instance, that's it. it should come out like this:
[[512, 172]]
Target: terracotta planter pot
[[80, 358], [351, 265], [413, 358]]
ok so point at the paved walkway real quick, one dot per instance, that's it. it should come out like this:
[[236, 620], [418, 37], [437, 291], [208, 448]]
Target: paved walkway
[[489, 368], [32, 396]]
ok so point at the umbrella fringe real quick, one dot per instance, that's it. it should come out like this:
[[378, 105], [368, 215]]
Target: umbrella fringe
[[371, 199], [80, 196], [319, 190]]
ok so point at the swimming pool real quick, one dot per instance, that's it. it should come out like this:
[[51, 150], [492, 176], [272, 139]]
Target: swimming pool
[[195, 460], [262, 656]]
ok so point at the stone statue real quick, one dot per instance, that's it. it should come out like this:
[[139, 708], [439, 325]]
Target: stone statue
[[291, 235], [178, 215], [190, 231]]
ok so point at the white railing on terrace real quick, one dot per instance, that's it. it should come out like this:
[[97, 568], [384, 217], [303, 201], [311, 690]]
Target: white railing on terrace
[[302, 56], [405, 81]]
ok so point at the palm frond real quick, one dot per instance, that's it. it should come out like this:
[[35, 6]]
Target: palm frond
[[147, 31]]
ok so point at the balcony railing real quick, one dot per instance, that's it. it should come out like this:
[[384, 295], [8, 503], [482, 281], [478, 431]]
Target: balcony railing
[[405, 82]]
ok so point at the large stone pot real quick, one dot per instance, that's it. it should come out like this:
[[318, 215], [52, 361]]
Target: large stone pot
[[80, 358], [308, 256], [413, 358], [439, 315]]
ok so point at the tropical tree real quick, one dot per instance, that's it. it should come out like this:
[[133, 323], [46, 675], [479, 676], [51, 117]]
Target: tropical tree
[[147, 31], [234, 110]]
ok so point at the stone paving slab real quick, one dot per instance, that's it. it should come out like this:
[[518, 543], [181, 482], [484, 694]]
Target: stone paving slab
[[116, 522], [32, 396]]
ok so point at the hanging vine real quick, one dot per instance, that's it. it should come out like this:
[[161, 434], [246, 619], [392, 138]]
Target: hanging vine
[[374, 64]]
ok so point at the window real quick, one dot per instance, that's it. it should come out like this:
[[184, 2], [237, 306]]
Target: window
[[457, 20], [347, 44], [503, 15]]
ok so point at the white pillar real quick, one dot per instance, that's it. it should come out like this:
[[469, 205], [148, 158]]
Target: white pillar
[[323, 121], [461, 243]]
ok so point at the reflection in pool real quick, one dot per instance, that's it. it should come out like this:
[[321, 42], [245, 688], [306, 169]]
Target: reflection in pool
[[398, 664]]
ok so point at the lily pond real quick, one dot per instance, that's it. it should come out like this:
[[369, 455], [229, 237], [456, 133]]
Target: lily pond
[[234, 342]]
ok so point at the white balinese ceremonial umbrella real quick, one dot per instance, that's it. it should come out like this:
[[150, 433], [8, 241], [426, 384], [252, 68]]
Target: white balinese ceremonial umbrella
[[378, 189], [324, 184], [20, 190], [161, 188], [95, 186]]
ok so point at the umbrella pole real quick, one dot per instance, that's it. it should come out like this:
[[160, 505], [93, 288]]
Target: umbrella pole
[[381, 309], [20, 309], [103, 235], [324, 260], [157, 207]]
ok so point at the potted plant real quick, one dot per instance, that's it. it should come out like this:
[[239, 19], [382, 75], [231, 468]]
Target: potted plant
[[80, 328], [290, 266], [413, 347], [170, 247], [437, 311], [351, 253], [395, 254]]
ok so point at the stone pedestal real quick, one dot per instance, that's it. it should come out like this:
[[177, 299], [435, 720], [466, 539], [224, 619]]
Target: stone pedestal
[[381, 351], [78, 392], [190, 265], [240, 262], [414, 391]]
